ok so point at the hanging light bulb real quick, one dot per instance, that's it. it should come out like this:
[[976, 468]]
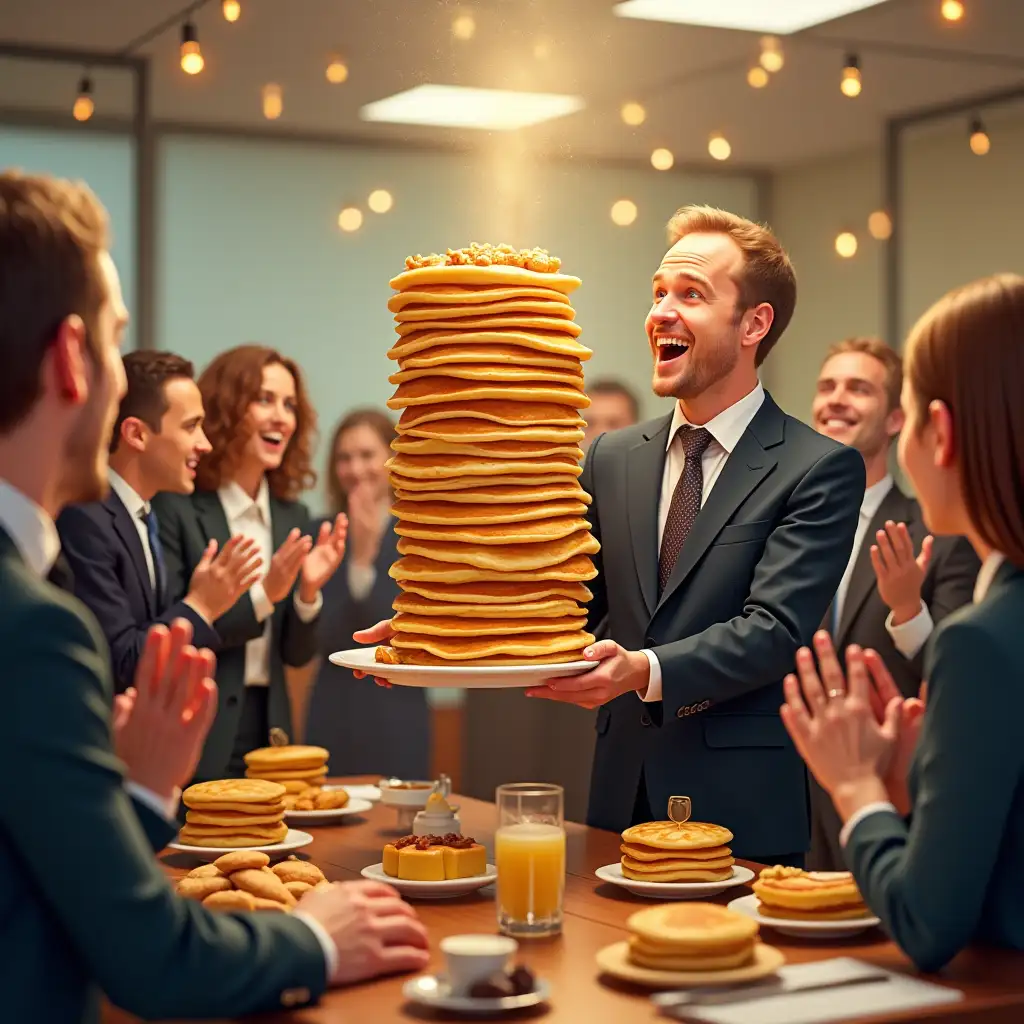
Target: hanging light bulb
[[662, 159], [337, 71], [633, 114], [757, 77], [771, 57], [192, 61], [350, 219], [980, 142], [850, 83], [718, 147], [380, 200], [623, 212], [231, 9], [952, 10], [273, 102], [84, 106], [880, 225], [464, 27], [846, 244]]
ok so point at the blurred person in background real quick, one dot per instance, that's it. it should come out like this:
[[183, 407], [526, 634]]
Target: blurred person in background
[[613, 405]]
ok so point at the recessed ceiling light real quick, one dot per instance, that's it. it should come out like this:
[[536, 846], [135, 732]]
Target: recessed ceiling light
[[453, 106], [748, 15]]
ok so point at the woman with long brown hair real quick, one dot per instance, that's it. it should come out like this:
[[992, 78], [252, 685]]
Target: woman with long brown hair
[[261, 427], [931, 789], [365, 728]]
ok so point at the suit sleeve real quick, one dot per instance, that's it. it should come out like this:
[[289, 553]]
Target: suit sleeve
[[597, 610], [298, 638], [799, 571], [967, 766], [159, 831], [153, 953]]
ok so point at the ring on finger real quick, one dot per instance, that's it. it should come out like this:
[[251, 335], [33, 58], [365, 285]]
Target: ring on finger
[[832, 694]]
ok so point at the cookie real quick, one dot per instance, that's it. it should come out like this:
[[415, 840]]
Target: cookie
[[298, 889], [261, 904], [199, 888], [230, 899], [240, 860], [298, 871], [263, 884], [206, 871]]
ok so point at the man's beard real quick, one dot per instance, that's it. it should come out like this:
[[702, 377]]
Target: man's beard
[[704, 371]]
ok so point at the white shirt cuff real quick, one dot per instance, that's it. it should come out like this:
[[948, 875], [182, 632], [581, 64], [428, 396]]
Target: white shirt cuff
[[911, 636], [167, 809], [653, 692], [261, 604], [326, 942], [308, 612], [859, 815], [361, 579]]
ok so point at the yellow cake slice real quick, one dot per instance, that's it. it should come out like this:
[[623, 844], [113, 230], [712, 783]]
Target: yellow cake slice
[[434, 858]]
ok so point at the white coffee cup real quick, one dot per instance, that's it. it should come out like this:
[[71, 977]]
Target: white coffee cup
[[473, 958]]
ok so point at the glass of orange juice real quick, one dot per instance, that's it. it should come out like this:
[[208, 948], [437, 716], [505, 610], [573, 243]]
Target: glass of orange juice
[[529, 853]]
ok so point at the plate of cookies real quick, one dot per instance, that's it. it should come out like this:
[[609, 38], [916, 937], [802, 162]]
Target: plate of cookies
[[671, 860], [807, 904], [686, 944], [245, 880]]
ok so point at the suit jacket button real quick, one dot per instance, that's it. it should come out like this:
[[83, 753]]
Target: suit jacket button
[[645, 719]]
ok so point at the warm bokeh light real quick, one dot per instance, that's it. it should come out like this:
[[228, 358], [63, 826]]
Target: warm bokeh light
[[980, 142], [350, 219], [337, 71], [633, 114], [192, 61], [542, 48], [380, 200], [952, 10], [464, 27], [880, 225], [662, 159], [846, 244], [273, 102], [771, 57], [83, 108], [623, 212], [850, 83], [231, 9], [719, 148], [757, 77]]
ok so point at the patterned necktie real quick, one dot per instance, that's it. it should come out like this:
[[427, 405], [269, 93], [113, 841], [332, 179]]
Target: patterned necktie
[[159, 566], [685, 501]]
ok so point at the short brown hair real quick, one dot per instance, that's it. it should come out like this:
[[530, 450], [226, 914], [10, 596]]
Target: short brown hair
[[968, 352], [611, 386], [384, 427], [767, 272], [228, 386], [890, 359], [52, 233], [146, 398]]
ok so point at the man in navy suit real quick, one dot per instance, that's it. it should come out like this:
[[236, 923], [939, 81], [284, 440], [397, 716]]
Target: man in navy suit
[[112, 546]]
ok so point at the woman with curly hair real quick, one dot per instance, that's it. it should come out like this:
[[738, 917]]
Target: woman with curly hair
[[366, 728], [261, 425]]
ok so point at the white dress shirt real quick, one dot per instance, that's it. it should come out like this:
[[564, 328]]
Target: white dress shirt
[[726, 429], [137, 508], [251, 519], [361, 578], [989, 568]]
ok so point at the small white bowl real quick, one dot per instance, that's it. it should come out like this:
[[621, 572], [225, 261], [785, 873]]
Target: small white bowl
[[473, 958], [395, 797]]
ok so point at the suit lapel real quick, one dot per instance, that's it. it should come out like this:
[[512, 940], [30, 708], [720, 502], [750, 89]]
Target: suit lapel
[[750, 462], [644, 468], [210, 513], [279, 524], [125, 528]]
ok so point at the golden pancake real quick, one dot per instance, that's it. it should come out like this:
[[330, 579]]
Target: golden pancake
[[226, 819], [549, 488], [418, 312], [499, 557], [506, 413], [497, 593], [682, 874], [849, 913], [413, 604], [435, 389], [496, 373], [233, 791], [492, 276], [437, 468], [702, 928], [579, 568], [291, 755], [522, 322], [794, 888], [650, 853], [460, 488], [641, 868], [452, 626], [523, 644], [470, 295], [530, 532], [659, 960], [447, 513], [284, 775], [217, 807], [512, 449], [391, 656], [227, 839], [230, 828], [445, 355], [461, 430], [555, 344], [672, 835]]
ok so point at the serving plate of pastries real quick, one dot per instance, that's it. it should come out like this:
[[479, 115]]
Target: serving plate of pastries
[[807, 904], [673, 860], [433, 866]]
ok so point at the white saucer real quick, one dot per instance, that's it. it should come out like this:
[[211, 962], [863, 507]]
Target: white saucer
[[433, 991], [294, 840], [326, 817], [447, 889], [673, 890], [803, 929], [454, 677]]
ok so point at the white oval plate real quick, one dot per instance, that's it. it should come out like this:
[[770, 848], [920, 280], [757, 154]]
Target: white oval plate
[[326, 817], [673, 890], [803, 929], [432, 890], [434, 992], [294, 840], [453, 677]]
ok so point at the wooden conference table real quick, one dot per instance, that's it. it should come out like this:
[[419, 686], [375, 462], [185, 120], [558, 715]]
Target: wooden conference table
[[595, 915]]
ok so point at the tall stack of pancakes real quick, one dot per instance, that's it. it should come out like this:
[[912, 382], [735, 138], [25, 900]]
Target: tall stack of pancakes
[[294, 766], [670, 851], [230, 813], [494, 544], [808, 895]]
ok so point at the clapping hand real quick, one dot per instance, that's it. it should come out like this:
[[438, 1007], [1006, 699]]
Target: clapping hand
[[219, 580], [322, 561], [900, 575], [285, 565]]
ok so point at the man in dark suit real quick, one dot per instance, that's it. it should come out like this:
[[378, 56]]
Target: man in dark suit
[[112, 546], [888, 600], [83, 902], [726, 526]]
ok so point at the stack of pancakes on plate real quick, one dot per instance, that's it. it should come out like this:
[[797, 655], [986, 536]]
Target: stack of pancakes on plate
[[691, 937], [234, 813], [670, 851], [295, 767], [808, 895], [494, 546]]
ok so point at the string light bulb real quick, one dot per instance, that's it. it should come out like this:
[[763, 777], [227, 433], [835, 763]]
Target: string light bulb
[[273, 101], [979, 140], [84, 106], [192, 61], [718, 147], [337, 71], [350, 218], [231, 9], [757, 77], [464, 27], [850, 84], [623, 212], [846, 244], [633, 114], [662, 159], [952, 10], [380, 200], [880, 225], [771, 58]]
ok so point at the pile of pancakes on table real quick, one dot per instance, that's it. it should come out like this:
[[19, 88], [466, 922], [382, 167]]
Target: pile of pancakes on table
[[691, 937], [671, 851], [495, 550], [798, 895], [234, 813]]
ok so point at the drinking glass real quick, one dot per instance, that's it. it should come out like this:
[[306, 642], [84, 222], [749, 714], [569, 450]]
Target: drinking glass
[[529, 853]]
